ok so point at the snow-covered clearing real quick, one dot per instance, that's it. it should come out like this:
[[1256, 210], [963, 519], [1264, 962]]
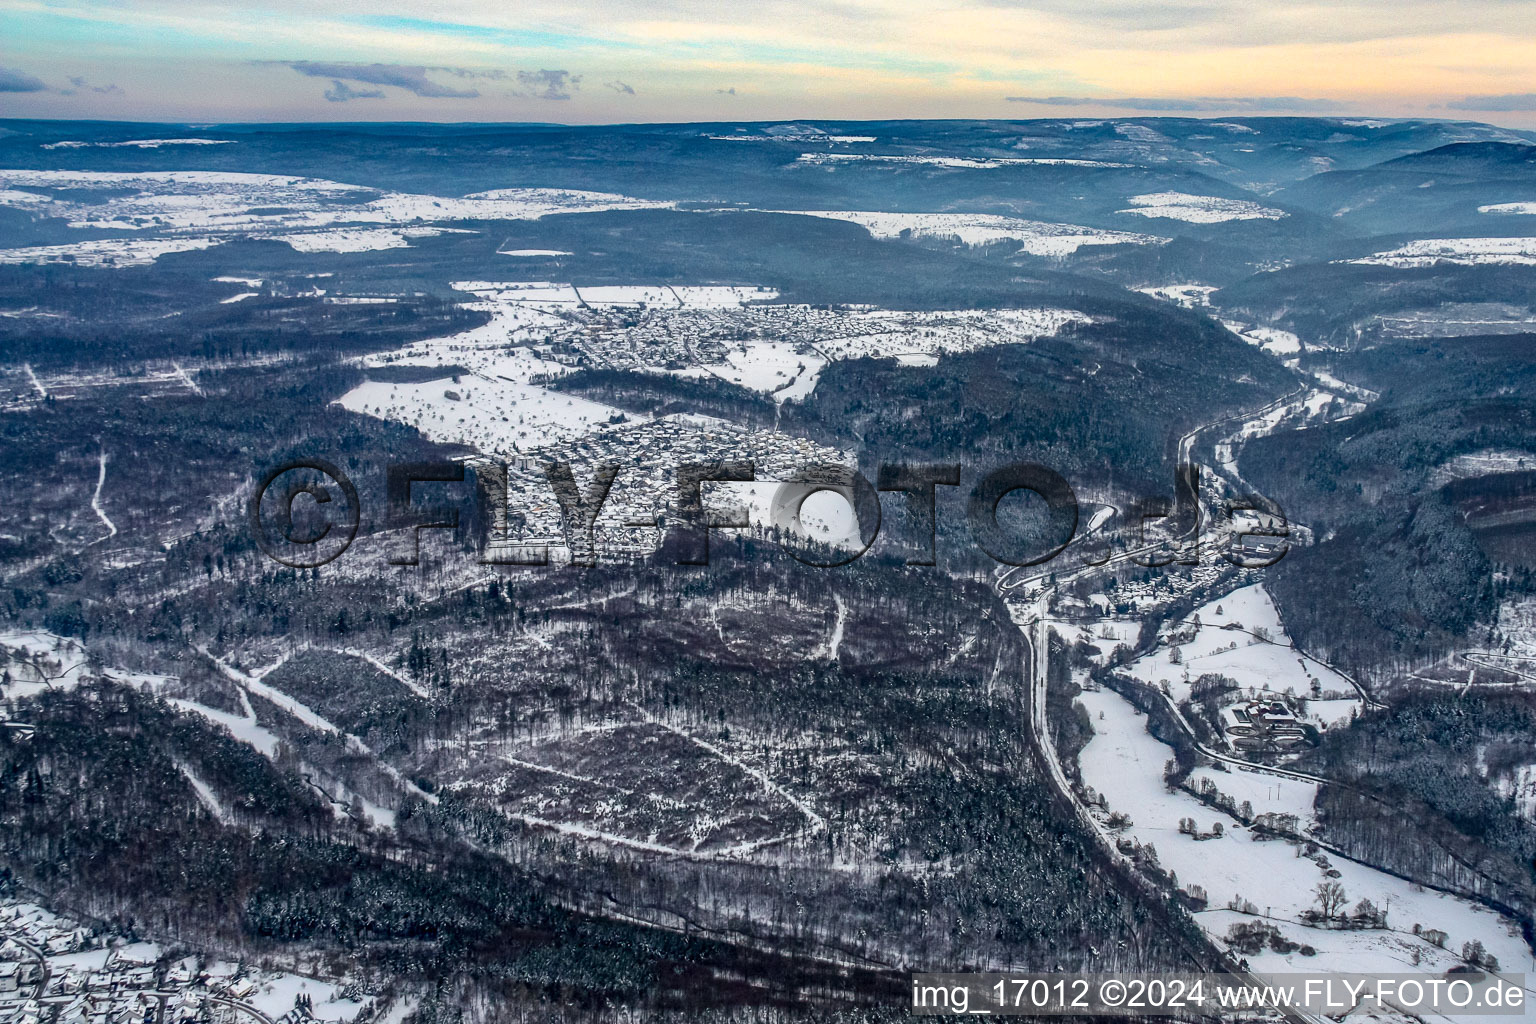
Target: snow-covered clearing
[[13, 197], [779, 368], [310, 214], [274, 993], [825, 516], [1198, 209], [534, 293], [627, 295], [1516, 208], [1486, 462], [720, 296], [1271, 339], [491, 416], [1038, 238], [835, 640], [1224, 643], [38, 660], [1191, 296], [108, 252], [244, 728], [1459, 251], [359, 239]]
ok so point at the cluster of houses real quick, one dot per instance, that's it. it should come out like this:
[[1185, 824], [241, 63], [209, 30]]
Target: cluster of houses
[[649, 455], [54, 972], [1158, 586]]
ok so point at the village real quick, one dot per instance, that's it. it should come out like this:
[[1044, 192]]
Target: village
[[54, 970]]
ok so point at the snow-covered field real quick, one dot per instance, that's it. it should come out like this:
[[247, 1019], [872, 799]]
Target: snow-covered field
[[499, 417], [1191, 296], [1224, 643], [1517, 208], [1271, 339], [38, 660], [780, 368], [1486, 462], [226, 204], [1038, 238], [1461, 251], [825, 516], [107, 252], [1198, 209], [358, 239], [1124, 765], [1316, 404]]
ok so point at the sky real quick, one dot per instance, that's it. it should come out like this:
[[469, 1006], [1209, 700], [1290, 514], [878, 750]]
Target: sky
[[603, 61]]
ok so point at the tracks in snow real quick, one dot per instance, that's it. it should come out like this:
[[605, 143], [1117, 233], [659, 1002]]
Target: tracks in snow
[[818, 823], [101, 479]]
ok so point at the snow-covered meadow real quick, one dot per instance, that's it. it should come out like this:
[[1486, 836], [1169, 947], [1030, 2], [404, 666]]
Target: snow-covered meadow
[[1509, 208], [497, 417], [1037, 238], [1124, 765], [194, 209], [1198, 209], [1271, 339], [1240, 636], [1427, 252], [107, 252], [36, 660]]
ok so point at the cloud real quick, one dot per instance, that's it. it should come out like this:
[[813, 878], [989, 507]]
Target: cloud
[[410, 77], [1518, 101], [77, 83], [1176, 104], [550, 85], [620, 87], [18, 81], [341, 92]]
